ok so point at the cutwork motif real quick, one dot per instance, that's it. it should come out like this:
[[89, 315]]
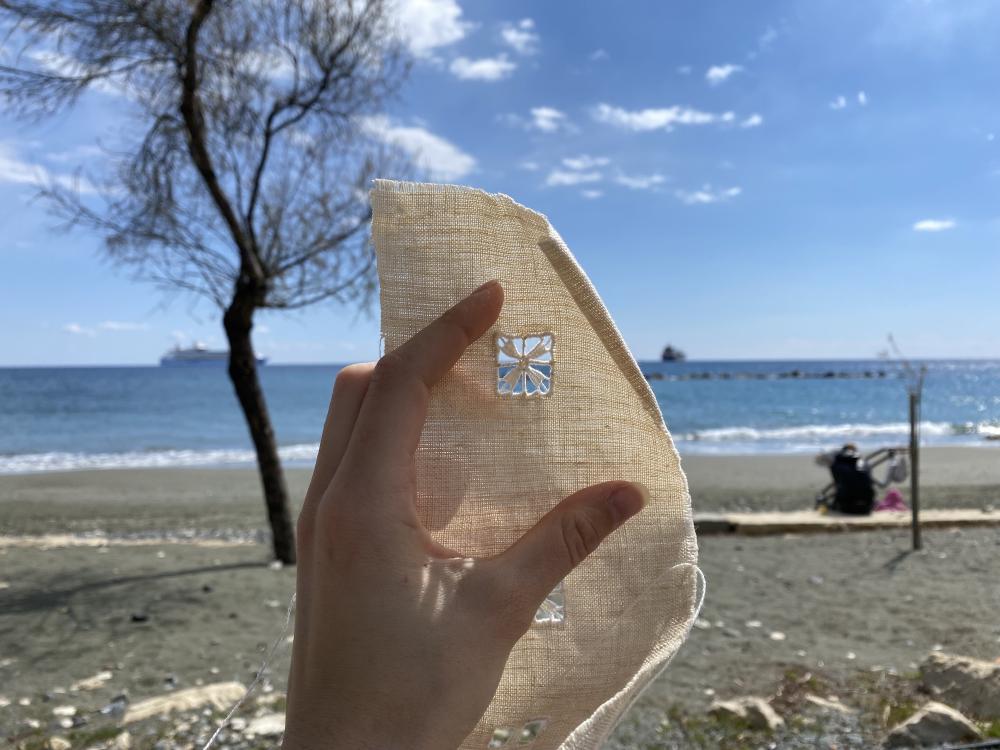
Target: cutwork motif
[[524, 365]]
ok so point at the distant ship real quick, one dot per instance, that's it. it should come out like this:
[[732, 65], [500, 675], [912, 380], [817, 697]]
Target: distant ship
[[199, 354], [670, 354]]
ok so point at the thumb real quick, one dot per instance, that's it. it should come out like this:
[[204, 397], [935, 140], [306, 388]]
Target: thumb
[[546, 554]]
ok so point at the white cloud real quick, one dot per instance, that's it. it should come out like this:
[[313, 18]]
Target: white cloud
[[597, 56], [720, 73], [78, 330], [753, 121], [685, 70], [707, 194], [584, 161], [14, 170], [482, 69], [862, 98], [121, 325], [530, 166], [547, 119], [991, 137], [559, 177], [934, 225], [521, 37], [656, 119], [591, 194], [425, 25], [441, 159], [839, 103], [640, 182]]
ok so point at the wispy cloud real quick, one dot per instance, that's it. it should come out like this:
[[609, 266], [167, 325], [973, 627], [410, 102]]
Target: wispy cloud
[[934, 225], [426, 25], [640, 181], [122, 325], [521, 37], [585, 161], [78, 330], [563, 178], [530, 166], [482, 69], [753, 121], [14, 170], [548, 119], [440, 158], [591, 194], [685, 70], [657, 119], [718, 74], [598, 55], [707, 194], [862, 98], [838, 103]]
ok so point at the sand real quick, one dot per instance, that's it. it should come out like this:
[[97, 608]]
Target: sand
[[160, 613]]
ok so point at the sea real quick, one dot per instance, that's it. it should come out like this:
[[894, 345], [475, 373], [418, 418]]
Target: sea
[[58, 419]]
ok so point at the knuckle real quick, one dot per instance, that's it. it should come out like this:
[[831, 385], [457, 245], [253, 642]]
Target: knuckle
[[351, 375], [390, 369], [581, 535]]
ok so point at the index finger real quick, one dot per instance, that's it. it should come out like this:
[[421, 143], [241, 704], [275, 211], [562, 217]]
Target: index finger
[[392, 415]]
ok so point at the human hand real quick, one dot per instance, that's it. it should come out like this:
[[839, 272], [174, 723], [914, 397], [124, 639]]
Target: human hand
[[399, 642]]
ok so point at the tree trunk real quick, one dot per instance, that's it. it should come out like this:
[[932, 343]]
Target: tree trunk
[[238, 321]]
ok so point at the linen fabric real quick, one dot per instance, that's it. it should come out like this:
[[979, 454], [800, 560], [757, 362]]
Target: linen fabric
[[493, 460]]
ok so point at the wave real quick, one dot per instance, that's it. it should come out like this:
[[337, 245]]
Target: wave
[[821, 432], [810, 437], [720, 439], [29, 463]]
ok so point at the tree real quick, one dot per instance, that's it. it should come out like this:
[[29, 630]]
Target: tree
[[247, 181]]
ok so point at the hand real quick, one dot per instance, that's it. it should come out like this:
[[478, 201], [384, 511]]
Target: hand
[[400, 643]]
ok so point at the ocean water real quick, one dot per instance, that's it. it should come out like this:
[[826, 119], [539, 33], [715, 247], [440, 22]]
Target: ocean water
[[54, 419]]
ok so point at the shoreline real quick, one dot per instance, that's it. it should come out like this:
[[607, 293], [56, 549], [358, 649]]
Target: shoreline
[[124, 501]]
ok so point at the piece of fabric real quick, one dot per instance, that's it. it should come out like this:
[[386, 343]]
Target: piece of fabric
[[548, 402]]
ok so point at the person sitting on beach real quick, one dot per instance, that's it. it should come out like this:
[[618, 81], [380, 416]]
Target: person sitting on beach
[[855, 487]]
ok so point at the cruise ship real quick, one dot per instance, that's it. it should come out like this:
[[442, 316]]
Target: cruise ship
[[199, 354]]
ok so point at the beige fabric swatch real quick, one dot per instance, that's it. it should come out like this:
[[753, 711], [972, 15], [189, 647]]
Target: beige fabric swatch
[[498, 456]]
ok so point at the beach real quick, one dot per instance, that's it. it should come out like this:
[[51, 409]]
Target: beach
[[162, 577]]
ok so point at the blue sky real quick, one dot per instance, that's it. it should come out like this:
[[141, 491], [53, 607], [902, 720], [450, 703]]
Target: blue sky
[[744, 180]]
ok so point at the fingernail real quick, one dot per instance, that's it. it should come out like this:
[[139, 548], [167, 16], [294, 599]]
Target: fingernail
[[488, 285], [629, 499]]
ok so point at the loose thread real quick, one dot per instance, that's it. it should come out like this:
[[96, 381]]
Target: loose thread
[[260, 673]]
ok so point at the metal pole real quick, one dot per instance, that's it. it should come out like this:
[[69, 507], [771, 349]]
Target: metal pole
[[915, 465]]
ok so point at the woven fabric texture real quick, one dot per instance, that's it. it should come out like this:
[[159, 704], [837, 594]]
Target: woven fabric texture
[[492, 460]]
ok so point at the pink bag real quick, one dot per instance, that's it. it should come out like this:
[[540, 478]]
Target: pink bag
[[893, 500]]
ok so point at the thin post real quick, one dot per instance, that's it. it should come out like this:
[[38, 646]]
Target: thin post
[[915, 465]]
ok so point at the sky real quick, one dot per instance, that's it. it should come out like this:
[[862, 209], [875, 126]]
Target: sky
[[772, 179]]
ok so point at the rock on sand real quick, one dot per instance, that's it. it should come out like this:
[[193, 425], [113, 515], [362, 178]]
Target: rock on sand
[[220, 695], [756, 712], [971, 685], [932, 725]]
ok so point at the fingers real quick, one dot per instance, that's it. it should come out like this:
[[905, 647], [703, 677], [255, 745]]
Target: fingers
[[349, 390], [393, 413], [564, 537]]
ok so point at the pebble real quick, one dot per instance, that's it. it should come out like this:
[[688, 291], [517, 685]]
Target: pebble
[[64, 711], [851, 656], [777, 635], [4, 702], [57, 743], [702, 624], [753, 623]]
